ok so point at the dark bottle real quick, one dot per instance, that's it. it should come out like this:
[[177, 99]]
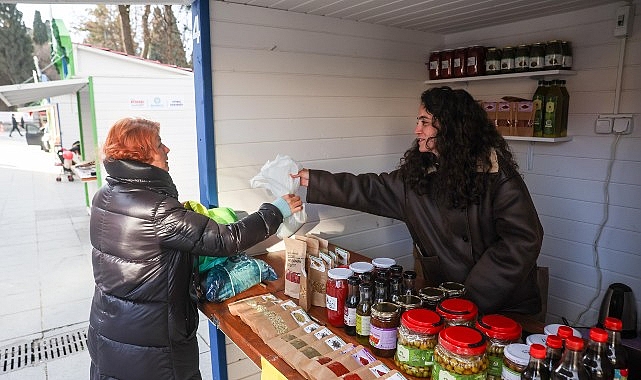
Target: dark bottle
[[351, 302], [537, 57], [363, 314], [409, 283], [553, 55], [616, 352], [596, 359], [571, 366], [395, 288], [553, 111], [566, 106], [566, 51], [522, 58], [538, 105], [507, 60], [536, 368], [493, 61], [381, 291], [396, 270], [553, 351]]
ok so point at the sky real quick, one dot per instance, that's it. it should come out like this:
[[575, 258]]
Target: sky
[[66, 12]]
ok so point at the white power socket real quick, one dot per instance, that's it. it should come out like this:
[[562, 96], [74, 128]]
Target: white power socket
[[614, 123], [623, 21]]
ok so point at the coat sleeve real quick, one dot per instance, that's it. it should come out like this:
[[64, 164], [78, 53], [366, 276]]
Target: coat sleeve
[[510, 260], [378, 194], [189, 231]]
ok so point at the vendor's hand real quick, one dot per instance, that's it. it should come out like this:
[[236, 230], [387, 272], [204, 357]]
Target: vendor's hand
[[294, 202], [303, 174]]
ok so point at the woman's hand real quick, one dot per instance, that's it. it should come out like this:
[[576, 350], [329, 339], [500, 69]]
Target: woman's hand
[[294, 202], [303, 174]]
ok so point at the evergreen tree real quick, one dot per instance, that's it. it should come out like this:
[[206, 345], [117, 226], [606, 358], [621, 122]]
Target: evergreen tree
[[16, 47], [103, 28], [40, 30], [166, 43]]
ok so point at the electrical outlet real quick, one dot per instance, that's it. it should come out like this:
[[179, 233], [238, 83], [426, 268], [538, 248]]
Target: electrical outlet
[[603, 125], [622, 125], [623, 21], [614, 123]]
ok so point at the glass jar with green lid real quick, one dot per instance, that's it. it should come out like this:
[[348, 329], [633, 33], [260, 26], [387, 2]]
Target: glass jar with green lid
[[417, 338], [460, 354], [385, 318], [499, 331]]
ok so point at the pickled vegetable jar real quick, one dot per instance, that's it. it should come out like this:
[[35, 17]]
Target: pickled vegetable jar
[[460, 354], [457, 311], [417, 337], [499, 331], [453, 289]]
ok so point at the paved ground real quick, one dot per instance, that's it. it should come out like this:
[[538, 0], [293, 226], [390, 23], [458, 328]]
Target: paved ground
[[46, 281]]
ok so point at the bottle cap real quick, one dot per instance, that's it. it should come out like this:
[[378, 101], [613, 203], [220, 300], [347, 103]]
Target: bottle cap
[[574, 343], [612, 323], [598, 335], [537, 351], [554, 341]]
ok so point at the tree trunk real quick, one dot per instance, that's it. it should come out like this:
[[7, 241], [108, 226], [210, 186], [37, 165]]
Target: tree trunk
[[125, 29], [146, 33]]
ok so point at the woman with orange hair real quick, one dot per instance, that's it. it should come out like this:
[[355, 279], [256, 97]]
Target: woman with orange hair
[[144, 317]]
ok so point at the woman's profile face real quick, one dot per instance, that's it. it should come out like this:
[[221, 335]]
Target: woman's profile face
[[425, 131], [160, 158]]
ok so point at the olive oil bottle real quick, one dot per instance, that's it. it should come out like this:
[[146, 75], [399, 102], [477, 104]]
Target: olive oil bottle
[[553, 112], [538, 104], [363, 314]]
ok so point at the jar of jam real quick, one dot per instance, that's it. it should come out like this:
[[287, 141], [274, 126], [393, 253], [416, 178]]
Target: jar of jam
[[446, 63], [336, 294], [417, 338], [537, 57], [453, 289], [475, 61], [457, 311], [493, 61], [553, 55], [566, 51], [382, 264], [499, 331], [460, 354], [431, 296], [459, 62], [507, 60], [385, 318], [360, 267], [409, 302], [517, 355], [522, 58], [434, 65]]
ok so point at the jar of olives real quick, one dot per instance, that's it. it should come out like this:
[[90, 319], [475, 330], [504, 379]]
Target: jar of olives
[[453, 289], [457, 311], [517, 355], [417, 337], [499, 331], [460, 354]]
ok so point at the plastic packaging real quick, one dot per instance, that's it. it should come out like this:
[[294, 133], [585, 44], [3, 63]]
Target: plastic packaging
[[460, 353], [417, 338], [536, 369], [500, 332]]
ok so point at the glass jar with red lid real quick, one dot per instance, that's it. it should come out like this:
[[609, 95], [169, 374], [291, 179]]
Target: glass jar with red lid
[[446, 63], [434, 65], [457, 311], [417, 338], [460, 353], [500, 331], [336, 295]]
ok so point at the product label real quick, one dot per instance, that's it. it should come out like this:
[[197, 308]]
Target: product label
[[433, 65], [382, 338], [320, 334], [509, 374], [567, 61], [311, 327], [507, 64], [331, 303], [363, 324], [522, 62], [537, 62], [445, 65], [456, 62], [471, 61], [363, 357], [495, 365], [493, 65], [414, 357], [335, 343], [440, 373], [350, 316], [553, 59], [379, 370]]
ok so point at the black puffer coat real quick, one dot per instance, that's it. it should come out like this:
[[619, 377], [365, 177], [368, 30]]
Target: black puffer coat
[[143, 316]]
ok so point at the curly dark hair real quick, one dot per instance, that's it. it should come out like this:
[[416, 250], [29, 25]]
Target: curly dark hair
[[465, 139]]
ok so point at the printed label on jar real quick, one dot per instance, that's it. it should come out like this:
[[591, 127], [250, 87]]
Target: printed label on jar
[[495, 365], [433, 65], [471, 61], [350, 316], [363, 324], [382, 338], [553, 60], [510, 374], [331, 302], [440, 373], [415, 357]]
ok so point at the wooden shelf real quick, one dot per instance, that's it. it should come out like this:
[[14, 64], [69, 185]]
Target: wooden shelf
[[527, 74], [539, 139]]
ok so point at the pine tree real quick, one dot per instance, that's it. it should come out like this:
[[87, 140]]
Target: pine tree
[[103, 28], [166, 43], [40, 31], [16, 47]]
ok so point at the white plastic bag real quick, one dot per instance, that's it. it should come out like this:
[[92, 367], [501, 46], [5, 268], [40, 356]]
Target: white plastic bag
[[275, 177]]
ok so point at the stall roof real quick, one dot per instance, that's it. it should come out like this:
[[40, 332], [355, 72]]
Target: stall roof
[[19, 94]]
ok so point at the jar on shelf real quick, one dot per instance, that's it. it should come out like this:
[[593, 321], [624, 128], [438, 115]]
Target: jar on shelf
[[522, 58], [493, 61], [459, 62], [336, 294], [457, 311], [516, 357], [475, 61], [408, 302], [537, 57], [417, 338], [507, 60], [566, 51], [460, 352], [452, 289], [446, 63], [385, 318], [434, 65], [431, 296], [500, 331], [553, 55]]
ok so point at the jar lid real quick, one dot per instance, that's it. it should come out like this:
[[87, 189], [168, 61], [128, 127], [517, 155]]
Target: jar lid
[[537, 351], [383, 262], [518, 353], [457, 308], [537, 339], [453, 289], [408, 301], [553, 329], [431, 293], [554, 341], [574, 343], [612, 323], [598, 335], [422, 321], [339, 273], [361, 267], [385, 310], [462, 340], [499, 327]]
